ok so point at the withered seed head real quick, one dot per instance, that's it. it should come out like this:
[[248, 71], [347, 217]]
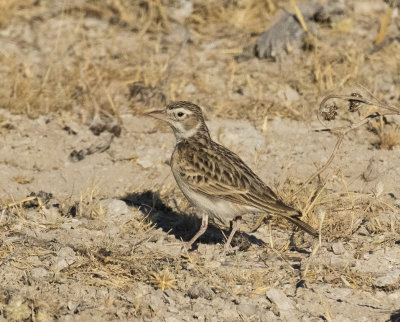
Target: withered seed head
[[354, 105], [329, 113]]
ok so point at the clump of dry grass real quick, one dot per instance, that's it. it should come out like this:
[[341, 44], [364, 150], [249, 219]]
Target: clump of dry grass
[[323, 209], [74, 69], [163, 280], [249, 15], [89, 205], [388, 134], [389, 139], [72, 74], [342, 278]]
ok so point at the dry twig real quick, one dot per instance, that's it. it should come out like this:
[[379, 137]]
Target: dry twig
[[327, 113]]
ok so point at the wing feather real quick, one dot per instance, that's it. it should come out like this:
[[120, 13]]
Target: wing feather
[[220, 173]]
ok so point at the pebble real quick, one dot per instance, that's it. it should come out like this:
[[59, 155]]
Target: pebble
[[247, 309], [172, 309], [34, 260], [39, 272], [65, 257], [68, 254], [188, 266], [280, 299], [71, 306], [388, 280], [289, 94], [203, 291], [59, 264], [115, 208], [394, 296], [338, 248]]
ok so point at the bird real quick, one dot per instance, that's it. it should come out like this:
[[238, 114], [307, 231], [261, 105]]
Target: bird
[[214, 179]]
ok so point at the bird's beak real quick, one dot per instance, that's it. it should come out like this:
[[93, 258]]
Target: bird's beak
[[159, 114]]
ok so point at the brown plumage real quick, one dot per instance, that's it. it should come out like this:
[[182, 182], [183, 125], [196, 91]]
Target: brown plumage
[[213, 178]]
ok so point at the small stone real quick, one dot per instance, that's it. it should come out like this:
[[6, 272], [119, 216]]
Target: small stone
[[338, 248], [203, 291], [247, 309], [115, 207], [39, 272], [282, 302], [188, 266], [394, 296], [34, 260], [71, 306], [172, 309], [363, 231], [342, 261], [59, 264], [65, 257], [68, 254], [388, 280], [289, 94]]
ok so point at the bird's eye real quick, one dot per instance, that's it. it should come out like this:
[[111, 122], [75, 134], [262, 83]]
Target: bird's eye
[[180, 114]]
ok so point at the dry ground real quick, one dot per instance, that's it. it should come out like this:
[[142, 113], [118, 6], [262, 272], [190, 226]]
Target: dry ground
[[91, 220]]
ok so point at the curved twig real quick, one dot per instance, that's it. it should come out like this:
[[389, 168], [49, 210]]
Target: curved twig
[[328, 113]]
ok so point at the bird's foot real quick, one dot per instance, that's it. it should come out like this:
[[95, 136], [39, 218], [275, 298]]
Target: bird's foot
[[228, 249], [186, 247]]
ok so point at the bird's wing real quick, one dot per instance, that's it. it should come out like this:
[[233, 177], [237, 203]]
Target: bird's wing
[[218, 172]]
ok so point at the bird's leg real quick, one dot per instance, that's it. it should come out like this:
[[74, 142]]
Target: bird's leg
[[235, 227], [202, 230]]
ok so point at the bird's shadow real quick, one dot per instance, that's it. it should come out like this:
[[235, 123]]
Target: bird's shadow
[[181, 225], [395, 316]]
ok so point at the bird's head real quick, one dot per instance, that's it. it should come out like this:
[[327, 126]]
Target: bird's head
[[185, 118]]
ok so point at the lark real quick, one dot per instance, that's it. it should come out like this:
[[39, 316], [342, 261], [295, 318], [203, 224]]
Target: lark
[[214, 179]]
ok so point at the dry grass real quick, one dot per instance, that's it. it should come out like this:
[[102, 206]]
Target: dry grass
[[127, 260], [113, 57], [89, 72], [388, 134]]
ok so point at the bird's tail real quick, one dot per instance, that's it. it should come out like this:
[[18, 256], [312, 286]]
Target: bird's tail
[[306, 227], [281, 209]]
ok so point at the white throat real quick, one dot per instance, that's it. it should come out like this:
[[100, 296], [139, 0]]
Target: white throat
[[181, 133]]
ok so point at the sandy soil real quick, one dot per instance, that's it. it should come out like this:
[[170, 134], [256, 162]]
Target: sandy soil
[[92, 223]]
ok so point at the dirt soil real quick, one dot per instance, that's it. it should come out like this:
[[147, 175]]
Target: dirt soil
[[92, 223]]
